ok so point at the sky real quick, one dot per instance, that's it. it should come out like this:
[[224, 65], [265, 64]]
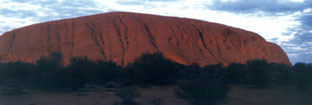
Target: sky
[[287, 23]]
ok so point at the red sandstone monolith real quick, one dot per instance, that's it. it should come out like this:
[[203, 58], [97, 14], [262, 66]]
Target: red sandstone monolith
[[122, 37]]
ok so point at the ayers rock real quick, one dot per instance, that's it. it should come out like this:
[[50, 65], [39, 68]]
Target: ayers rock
[[122, 37]]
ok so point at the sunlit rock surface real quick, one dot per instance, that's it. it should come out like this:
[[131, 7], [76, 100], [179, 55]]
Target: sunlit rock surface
[[122, 37]]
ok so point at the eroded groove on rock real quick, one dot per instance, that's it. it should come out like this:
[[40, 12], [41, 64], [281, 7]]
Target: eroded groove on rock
[[94, 34], [126, 32], [204, 44], [72, 39], [217, 45], [151, 37], [58, 38], [149, 34], [11, 42], [117, 29], [49, 37]]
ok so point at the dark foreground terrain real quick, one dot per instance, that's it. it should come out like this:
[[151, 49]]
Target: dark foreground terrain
[[239, 95]]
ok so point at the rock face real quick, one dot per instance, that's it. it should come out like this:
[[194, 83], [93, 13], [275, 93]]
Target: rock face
[[122, 37]]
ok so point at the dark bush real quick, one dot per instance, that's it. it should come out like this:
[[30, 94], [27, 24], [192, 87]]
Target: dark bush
[[53, 61], [153, 69], [47, 73], [128, 96], [279, 74], [15, 75], [189, 72], [237, 73], [206, 89], [216, 72], [259, 69], [79, 72], [106, 72], [303, 76]]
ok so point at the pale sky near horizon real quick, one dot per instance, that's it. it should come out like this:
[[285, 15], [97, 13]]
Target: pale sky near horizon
[[287, 23]]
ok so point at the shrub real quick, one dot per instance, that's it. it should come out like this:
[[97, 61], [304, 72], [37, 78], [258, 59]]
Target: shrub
[[303, 76], [53, 61], [279, 74], [215, 72], [17, 72], [153, 69], [106, 72], [237, 73], [259, 69], [189, 72], [208, 88], [79, 72], [128, 95], [47, 72]]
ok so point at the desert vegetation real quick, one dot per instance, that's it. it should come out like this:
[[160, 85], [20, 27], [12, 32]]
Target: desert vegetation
[[128, 96], [206, 85]]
